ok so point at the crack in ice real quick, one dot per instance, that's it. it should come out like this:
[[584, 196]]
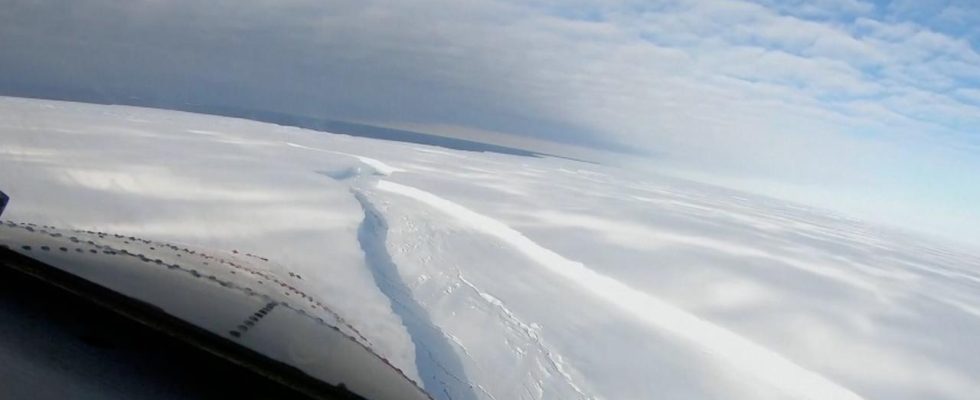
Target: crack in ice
[[750, 358], [438, 364], [379, 167], [530, 331]]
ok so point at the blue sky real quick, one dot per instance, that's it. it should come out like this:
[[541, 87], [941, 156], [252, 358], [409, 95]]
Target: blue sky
[[869, 108]]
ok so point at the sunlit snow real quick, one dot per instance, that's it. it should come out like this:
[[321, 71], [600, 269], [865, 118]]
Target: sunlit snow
[[491, 276]]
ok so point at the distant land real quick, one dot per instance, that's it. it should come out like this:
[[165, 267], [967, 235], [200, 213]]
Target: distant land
[[365, 130], [299, 121]]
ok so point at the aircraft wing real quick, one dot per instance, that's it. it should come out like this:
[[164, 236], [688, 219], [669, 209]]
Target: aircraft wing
[[239, 311]]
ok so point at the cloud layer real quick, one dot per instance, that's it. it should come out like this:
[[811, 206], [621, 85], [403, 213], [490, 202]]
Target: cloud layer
[[878, 101]]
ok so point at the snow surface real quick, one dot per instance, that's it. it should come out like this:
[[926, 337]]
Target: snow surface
[[489, 276]]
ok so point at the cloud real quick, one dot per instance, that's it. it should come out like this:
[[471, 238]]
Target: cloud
[[761, 90]]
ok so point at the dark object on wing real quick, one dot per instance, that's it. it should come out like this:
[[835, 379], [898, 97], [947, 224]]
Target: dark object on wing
[[3, 201], [96, 315]]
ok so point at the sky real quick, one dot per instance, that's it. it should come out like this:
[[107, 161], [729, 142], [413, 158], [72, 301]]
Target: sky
[[868, 108]]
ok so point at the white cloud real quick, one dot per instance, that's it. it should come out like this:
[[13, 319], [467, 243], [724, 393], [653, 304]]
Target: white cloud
[[767, 90]]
